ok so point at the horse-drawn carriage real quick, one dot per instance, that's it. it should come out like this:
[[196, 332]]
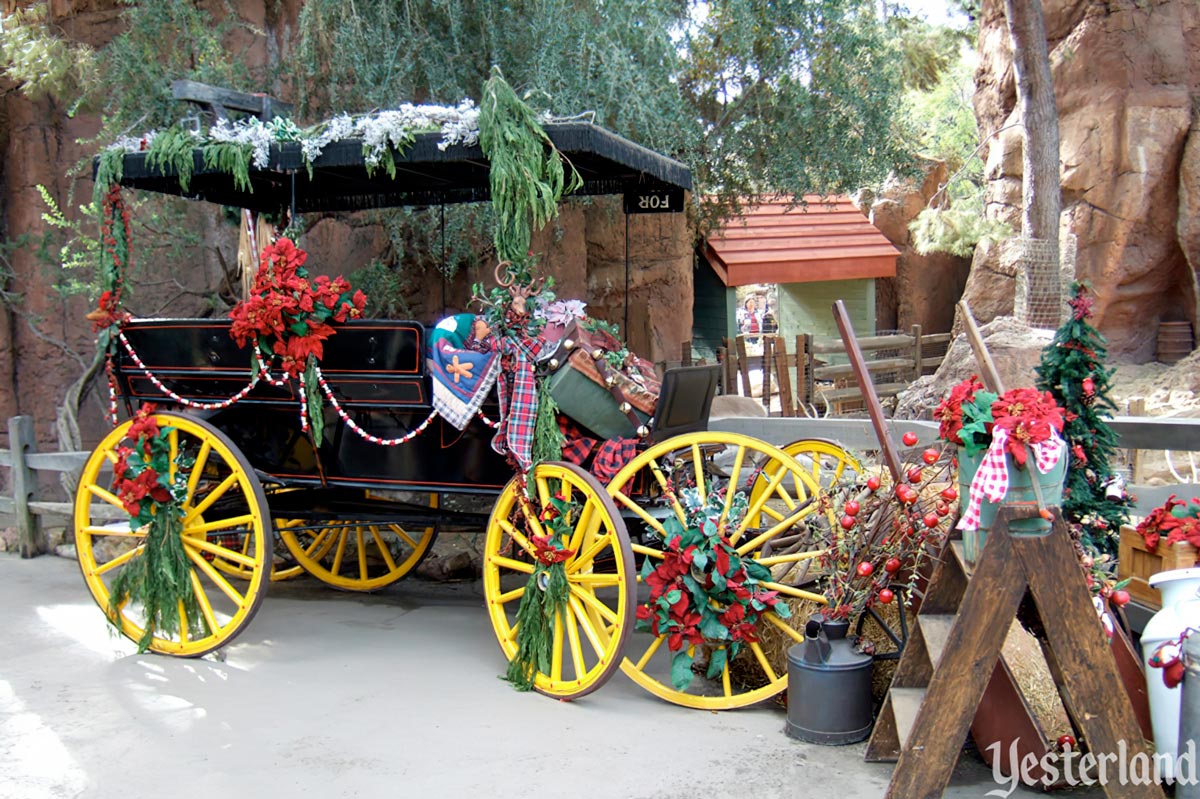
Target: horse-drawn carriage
[[257, 468]]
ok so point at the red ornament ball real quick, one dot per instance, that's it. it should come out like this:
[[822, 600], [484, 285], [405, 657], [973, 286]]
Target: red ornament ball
[[932, 520], [886, 596], [847, 522], [865, 569], [950, 494], [909, 439], [915, 474], [1120, 597], [1066, 742], [941, 508], [892, 566], [851, 508], [930, 456], [873, 483]]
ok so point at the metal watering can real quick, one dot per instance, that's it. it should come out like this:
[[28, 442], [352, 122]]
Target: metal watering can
[[829, 685]]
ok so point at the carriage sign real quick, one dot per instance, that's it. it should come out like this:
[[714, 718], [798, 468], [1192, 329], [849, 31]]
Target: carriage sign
[[645, 200]]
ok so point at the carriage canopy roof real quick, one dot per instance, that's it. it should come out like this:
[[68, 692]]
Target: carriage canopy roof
[[425, 173]]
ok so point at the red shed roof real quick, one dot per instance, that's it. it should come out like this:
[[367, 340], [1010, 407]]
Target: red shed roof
[[827, 239]]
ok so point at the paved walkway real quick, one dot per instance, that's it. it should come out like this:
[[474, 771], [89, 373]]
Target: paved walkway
[[336, 695]]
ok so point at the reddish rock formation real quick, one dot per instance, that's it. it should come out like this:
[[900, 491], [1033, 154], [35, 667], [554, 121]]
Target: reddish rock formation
[[1127, 78], [926, 287]]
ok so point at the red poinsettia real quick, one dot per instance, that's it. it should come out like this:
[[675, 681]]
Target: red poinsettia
[[1029, 416], [1175, 519], [287, 313], [949, 413]]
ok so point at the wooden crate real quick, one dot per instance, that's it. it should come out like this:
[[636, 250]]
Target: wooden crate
[[1138, 562]]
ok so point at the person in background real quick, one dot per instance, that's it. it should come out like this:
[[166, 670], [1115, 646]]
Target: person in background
[[749, 321], [769, 324]]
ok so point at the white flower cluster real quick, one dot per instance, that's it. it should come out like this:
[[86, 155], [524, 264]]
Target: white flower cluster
[[249, 131], [378, 130]]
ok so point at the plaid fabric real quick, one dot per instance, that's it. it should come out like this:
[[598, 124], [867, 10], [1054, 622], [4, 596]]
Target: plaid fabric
[[991, 481], [518, 401], [458, 396], [611, 456], [578, 446]]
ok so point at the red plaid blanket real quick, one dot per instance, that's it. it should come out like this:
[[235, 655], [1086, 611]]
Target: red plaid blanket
[[518, 400]]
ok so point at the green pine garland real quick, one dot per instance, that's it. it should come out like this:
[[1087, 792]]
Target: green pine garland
[[548, 439], [159, 580], [535, 624], [230, 158], [172, 151], [527, 176]]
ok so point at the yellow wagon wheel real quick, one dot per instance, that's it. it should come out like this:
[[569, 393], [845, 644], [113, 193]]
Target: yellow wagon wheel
[[225, 521], [283, 567], [590, 633], [357, 555], [826, 461], [781, 497]]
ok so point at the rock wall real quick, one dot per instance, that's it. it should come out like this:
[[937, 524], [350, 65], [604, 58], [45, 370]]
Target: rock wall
[[1127, 79], [584, 249], [926, 287]]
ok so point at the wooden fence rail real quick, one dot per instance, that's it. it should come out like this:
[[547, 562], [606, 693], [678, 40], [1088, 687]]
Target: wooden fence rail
[[815, 374]]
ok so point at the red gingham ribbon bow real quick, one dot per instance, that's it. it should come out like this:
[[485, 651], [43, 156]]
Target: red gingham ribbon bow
[[991, 481]]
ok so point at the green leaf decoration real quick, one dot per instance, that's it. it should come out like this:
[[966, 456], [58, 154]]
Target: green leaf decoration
[[977, 415], [716, 663], [756, 569], [681, 670], [712, 628]]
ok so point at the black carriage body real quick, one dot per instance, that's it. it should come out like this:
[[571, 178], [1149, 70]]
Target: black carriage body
[[375, 369]]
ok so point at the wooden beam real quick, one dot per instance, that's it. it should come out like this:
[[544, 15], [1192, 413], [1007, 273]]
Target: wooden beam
[[218, 99], [863, 375], [991, 378]]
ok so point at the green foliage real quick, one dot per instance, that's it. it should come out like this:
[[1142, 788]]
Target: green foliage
[[957, 229], [976, 433], [171, 152], [228, 157], [1073, 370], [40, 62], [526, 171], [163, 41]]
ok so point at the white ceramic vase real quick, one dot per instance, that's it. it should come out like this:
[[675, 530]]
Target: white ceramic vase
[[1180, 590]]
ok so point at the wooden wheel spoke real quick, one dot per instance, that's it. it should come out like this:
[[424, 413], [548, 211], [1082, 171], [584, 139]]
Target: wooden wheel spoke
[[649, 653], [556, 648], [105, 495], [784, 627], [585, 528], [590, 600], [514, 565], [698, 465], [173, 454], [183, 621], [360, 541], [206, 608], [642, 549], [198, 469], [596, 580], [763, 663], [212, 497], [793, 592], [641, 512], [119, 560], [219, 551], [517, 536], [585, 622], [734, 473], [384, 552], [340, 552], [726, 684], [573, 644], [191, 530], [213, 575], [756, 506], [509, 596], [586, 558], [770, 533], [111, 532], [796, 557], [400, 533]]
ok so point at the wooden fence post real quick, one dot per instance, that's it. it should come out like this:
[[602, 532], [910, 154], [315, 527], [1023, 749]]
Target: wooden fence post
[[725, 358], [786, 405], [687, 354], [804, 350], [22, 442], [917, 354], [767, 342], [743, 366]]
